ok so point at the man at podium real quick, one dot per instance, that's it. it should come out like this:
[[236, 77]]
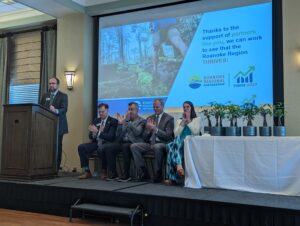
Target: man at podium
[[57, 102]]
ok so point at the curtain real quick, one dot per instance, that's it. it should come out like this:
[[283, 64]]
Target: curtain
[[3, 72], [48, 64]]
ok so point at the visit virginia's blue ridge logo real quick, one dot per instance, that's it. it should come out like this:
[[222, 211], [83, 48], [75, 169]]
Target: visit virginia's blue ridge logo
[[195, 81]]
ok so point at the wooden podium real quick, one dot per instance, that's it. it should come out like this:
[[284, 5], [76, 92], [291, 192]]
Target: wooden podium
[[29, 144]]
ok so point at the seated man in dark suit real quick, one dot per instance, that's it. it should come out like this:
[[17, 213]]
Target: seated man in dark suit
[[102, 132], [158, 132], [130, 130]]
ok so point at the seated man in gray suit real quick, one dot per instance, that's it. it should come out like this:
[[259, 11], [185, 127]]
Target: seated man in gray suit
[[130, 130], [158, 132], [102, 132]]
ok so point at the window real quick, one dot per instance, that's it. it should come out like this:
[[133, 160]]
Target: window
[[25, 68], [19, 94]]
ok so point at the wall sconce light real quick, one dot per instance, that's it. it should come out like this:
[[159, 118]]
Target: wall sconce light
[[297, 57], [70, 77]]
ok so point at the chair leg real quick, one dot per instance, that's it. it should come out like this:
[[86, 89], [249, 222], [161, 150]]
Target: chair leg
[[134, 169], [152, 167], [96, 166], [146, 159], [120, 164], [142, 217], [70, 216]]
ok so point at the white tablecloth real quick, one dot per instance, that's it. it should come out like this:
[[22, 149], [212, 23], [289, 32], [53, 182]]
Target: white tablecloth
[[256, 164]]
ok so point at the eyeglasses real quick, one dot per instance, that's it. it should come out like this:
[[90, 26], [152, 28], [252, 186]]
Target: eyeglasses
[[52, 83]]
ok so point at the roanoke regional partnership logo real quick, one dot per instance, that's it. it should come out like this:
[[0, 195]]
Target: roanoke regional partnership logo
[[245, 79], [195, 81]]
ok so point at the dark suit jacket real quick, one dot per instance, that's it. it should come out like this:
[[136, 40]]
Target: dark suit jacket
[[60, 102], [109, 132], [165, 129]]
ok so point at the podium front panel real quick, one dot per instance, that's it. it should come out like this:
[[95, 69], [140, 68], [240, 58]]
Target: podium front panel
[[30, 136]]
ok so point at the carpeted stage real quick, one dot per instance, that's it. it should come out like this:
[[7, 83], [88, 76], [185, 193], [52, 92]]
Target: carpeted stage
[[165, 205]]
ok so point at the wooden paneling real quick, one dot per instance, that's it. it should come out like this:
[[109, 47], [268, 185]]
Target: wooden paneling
[[43, 149], [29, 142], [16, 132]]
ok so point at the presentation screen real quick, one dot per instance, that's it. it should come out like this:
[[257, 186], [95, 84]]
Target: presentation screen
[[201, 52]]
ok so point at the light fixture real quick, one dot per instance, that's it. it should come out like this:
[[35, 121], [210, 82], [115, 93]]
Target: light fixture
[[297, 57], [70, 76]]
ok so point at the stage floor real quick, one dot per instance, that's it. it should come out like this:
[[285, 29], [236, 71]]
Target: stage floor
[[55, 196]]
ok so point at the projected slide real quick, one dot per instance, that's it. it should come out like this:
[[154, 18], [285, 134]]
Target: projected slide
[[220, 56]]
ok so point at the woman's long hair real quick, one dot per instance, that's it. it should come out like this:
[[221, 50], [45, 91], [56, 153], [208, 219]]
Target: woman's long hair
[[193, 112]]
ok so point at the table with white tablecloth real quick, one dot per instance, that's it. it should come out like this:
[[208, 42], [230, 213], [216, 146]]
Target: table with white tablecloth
[[255, 164]]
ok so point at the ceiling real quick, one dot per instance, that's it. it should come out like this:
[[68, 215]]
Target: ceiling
[[86, 3], [13, 14], [18, 13]]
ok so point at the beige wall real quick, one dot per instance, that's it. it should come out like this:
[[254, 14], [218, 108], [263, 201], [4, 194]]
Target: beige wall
[[291, 45], [74, 52]]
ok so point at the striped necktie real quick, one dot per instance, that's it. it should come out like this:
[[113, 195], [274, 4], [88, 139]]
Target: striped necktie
[[153, 136], [100, 140]]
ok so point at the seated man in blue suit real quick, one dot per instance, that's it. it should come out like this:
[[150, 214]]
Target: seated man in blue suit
[[102, 132]]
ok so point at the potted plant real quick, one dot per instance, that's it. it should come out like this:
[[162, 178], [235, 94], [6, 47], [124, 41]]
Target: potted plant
[[222, 113], [218, 111], [233, 112], [279, 113], [265, 110], [207, 114], [249, 111]]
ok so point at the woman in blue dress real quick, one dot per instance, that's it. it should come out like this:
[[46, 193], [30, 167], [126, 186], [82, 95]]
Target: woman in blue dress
[[189, 124]]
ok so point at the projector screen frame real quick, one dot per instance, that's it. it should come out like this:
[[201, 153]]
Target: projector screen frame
[[277, 49]]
